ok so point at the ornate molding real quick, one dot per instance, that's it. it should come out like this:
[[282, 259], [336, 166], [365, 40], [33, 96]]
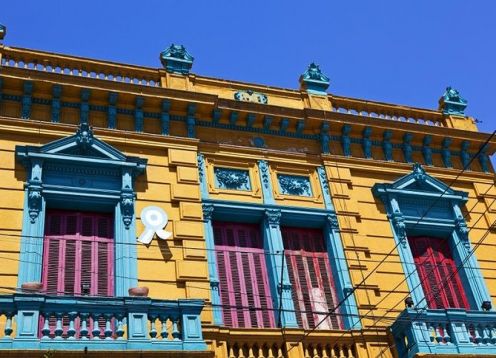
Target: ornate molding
[[263, 166], [273, 217], [232, 179], [462, 231], [208, 211], [84, 136], [251, 96], [314, 81], [127, 208], [294, 185], [323, 180], [34, 201], [332, 221]]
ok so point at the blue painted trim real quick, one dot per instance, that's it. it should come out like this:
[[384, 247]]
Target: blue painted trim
[[84, 111], [213, 274], [324, 186], [419, 188], [191, 120], [280, 285], [56, 93], [26, 99], [112, 110], [202, 173], [165, 117], [51, 169], [138, 114], [265, 179], [271, 217]]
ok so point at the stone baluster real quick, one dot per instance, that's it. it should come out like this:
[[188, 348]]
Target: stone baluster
[[492, 332], [176, 334], [164, 332], [71, 331], [96, 328], [446, 336], [350, 351], [231, 352], [477, 338], [342, 351], [46, 326], [250, 352], [8, 324], [108, 325], [325, 353], [279, 353], [58, 326], [120, 326], [260, 352], [315, 352], [241, 353], [439, 336], [485, 334], [306, 353], [270, 352], [153, 331], [84, 325]]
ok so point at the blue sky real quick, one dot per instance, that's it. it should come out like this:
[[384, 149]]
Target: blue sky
[[403, 52]]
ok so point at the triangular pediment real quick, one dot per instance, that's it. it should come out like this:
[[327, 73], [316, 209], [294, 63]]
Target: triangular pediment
[[419, 183], [419, 180], [84, 144]]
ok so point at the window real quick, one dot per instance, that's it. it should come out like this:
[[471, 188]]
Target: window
[[78, 254], [310, 275], [438, 273], [244, 284]]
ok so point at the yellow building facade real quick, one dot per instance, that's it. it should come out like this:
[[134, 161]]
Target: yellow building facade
[[80, 135]]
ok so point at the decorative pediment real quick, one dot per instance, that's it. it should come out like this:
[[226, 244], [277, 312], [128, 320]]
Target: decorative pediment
[[81, 145], [419, 183]]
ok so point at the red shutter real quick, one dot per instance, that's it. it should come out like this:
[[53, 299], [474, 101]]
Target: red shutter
[[244, 285], [438, 273], [311, 277]]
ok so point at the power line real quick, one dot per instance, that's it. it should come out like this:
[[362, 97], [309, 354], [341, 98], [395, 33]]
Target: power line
[[394, 248]]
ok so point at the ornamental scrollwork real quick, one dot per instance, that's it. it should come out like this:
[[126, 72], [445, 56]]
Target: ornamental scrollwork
[[399, 227], [273, 217], [462, 231], [127, 208], [263, 166], [208, 211], [294, 185], [233, 179], [250, 96], [34, 203], [333, 222], [84, 136]]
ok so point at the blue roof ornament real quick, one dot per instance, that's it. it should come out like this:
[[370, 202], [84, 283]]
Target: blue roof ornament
[[314, 81], [452, 103], [176, 59], [3, 31]]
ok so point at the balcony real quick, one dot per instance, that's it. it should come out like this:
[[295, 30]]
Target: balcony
[[271, 343], [450, 331], [39, 322]]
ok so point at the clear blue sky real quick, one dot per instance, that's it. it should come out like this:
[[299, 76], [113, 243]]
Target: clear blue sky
[[403, 52]]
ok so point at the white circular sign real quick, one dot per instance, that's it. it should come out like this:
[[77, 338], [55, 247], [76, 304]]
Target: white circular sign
[[154, 219]]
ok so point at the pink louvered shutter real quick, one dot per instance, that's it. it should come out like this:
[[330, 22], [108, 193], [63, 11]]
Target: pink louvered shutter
[[244, 285], [438, 273], [310, 275], [78, 250]]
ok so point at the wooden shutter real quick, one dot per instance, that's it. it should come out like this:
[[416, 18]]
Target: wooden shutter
[[244, 284], [78, 250], [438, 273], [310, 274]]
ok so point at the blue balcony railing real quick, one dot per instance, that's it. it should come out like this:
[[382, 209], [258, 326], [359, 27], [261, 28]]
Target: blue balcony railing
[[32, 321], [450, 331]]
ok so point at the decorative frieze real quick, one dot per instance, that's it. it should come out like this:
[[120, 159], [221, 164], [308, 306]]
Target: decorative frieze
[[294, 185], [232, 179], [251, 96]]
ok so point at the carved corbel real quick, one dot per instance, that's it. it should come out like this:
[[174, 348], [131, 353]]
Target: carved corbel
[[34, 202], [332, 221], [127, 208], [208, 211], [273, 217], [399, 227], [462, 231]]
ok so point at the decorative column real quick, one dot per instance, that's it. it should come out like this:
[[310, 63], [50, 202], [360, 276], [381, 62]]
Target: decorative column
[[165, 117], [446, 152], [341, 274], [268, 192], [472, 271], [367, 142], [125, 238], [138, 114], [26, 100], [213, 275], [427, 150], [33, 227], [84, 110], [276, 265], [112, 110], [191, 121], [56, 92], [387, 146]]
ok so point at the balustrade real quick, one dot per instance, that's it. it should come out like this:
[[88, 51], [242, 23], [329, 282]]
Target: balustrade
[[387, 111], [63, 322], [447, 331], [78, 67]]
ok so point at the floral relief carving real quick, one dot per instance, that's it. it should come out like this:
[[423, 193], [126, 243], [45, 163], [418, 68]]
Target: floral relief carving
[[232, 179], [294, 185]]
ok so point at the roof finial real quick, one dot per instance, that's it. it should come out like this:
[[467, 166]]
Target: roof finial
[[314, 81], [452, 103], [176, 59], [3, 31]]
